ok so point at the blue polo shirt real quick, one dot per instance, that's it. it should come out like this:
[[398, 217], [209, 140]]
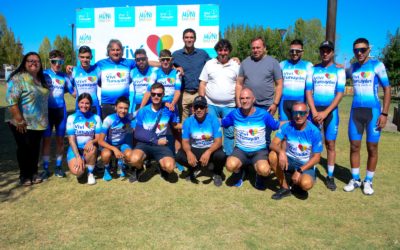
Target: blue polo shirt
[[192, 64]]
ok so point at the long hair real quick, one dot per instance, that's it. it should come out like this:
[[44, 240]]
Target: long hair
[[22, 69]]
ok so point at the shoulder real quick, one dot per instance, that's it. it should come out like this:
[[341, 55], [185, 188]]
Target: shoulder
[[177, 52], [270, 59]]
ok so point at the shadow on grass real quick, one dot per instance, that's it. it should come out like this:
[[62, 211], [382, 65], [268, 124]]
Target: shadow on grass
[[341, 173]]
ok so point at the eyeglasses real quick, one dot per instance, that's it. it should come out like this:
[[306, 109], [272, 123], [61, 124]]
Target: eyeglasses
[[57, 61], [300, 113], [165, 59], [199, 107], [362, 50], [295, 51], [31, 61], [156, 94], [141, 59]]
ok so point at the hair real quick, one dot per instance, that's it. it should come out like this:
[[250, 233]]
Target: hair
[[158, 85], [299, 103], [84, 49], [165, 53], [140, 52], [56, 53], [122, 99], [259, 38], [361, 40], [223, 43], [110, 44], [22, 69], [297, 42], [248, 89], [189, 30], [85, 96]]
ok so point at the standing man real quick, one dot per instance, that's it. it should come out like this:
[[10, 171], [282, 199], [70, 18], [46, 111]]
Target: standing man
[[324, 90], [260, 73], [217, 84], [366, 113], [192, 61], [296, 149], [294, 73]]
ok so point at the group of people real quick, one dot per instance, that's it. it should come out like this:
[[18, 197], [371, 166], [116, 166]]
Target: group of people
[[189, 110]]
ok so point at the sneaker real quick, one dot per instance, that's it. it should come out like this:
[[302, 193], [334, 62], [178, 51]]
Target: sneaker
[[107, 175], [133, 178], [45, 175], [260, 183], [239, 178], [281, 193], [91, 180], [353, 184], [59, 172], [217, 180], [367, 188], [330, 183], [36, 179], [299, 193], [82, 179], [192, 178], [164, 174], [25, 182]]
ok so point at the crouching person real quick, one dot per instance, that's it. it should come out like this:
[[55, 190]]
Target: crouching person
[[202, 142], [295, 150]]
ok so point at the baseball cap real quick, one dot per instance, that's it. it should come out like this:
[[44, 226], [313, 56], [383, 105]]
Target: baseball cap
[[200, 101], [327, 44]]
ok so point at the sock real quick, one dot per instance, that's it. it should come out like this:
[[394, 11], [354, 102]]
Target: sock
[[369, 176], [355, 172], [107, 167], [331, 168], [46, 159], [90, 168], [59, 160]]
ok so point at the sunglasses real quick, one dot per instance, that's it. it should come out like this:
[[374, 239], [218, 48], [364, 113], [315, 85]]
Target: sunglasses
[[362, 50], [199, 107], [156, 94], [33, 61], [295, 51], [165, 59], [57, 61], [141, 59], [300, 113]]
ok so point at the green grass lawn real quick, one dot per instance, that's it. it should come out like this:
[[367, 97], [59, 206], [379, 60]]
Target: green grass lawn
[[61, 213]]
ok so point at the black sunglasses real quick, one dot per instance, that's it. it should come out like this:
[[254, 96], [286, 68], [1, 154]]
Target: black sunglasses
[[163, 59], [199, 107], [300, 113], [295, 51], [140, 59], [156, 94], [362, 50]]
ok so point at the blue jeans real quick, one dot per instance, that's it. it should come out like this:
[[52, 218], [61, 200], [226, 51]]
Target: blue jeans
[[268, 130], [229, 137]]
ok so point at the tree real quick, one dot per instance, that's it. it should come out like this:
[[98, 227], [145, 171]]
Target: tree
[[10, 48], [391, 57], [44, 49]]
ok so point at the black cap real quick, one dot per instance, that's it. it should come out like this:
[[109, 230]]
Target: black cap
[[200, 101], [327, 44]]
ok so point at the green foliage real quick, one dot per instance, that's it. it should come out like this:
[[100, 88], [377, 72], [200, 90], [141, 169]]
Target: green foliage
[[44, 49], [10, 47], [391, 57]]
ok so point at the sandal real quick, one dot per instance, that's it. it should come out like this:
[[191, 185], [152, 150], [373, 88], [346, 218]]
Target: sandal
[[25, 182], [36, 179]]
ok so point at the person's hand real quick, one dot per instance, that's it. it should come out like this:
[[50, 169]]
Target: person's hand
[[272, 109], [236, 59], [79, 165], [118, 154], [205, 157], [69, 69], [317, 117], [21, 126], [283, 161], [170, 106], [381, 123], [192, 160], [89, 147], [296, 177], [162, 142], [180, 70]]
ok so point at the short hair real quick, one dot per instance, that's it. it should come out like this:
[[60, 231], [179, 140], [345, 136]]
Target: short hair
[[248, 89], [157, 85], [297, 42], [85, 96], [165, 53], [361, 40], [114, 41], [122, 99], [299, 103], [223, 43], [189, 30], [84, 49], [259, 38], [140, 52], [56, 53]]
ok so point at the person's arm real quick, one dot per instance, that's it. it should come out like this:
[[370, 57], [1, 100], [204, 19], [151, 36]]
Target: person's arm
[[386, 103], [278, 94], [191, 158], [80, 163], [238, 89], [154, 63], [177, 95], [202, 88], [310, 101], [313, 161], [18, 119], [279, 147]]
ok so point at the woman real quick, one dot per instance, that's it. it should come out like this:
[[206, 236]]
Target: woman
[[26, 96], [83, 129]]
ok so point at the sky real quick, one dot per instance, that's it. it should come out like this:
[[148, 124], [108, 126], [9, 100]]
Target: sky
[[31, 21]]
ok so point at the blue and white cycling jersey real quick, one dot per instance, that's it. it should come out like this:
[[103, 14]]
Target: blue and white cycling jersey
[[366, 80], [301, 144], [171, 82], [250, 130], [325, 82], [60, 84], [115, 79], [84, 126], [87, 82], [116, 129], [201, 135], [139, 86], [294, 79]]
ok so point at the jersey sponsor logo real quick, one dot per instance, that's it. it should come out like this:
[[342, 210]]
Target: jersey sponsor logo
[[170, 80], [206, 137], [92, 78], [89, 125], [253, 132], [59, 81], [299, 72], [161, 126], [365, 74], [302, 147], [329, 76]]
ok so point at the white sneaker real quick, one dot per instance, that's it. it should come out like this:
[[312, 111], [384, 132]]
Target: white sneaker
[[91, 179], [367, 188], [353, 184]]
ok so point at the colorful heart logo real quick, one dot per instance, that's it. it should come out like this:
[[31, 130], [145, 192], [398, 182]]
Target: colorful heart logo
[[156, 43]]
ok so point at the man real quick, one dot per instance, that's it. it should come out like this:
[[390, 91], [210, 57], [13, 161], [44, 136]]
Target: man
[[294, 73], [217, 84], [366, 113], [324, 90], [260, 72], [192, 60], [201, 142], [142, 76], [296, 149], [250, 124], [152, 122]]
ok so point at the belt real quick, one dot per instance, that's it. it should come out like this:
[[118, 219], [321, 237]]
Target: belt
[[191, 91]]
